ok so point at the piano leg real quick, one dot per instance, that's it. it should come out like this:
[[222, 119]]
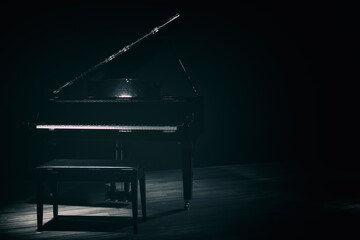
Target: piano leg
[[187, 173]]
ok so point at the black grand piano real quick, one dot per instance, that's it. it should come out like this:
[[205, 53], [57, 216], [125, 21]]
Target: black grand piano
[[124, 110]]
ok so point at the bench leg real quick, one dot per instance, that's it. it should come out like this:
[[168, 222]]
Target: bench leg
[[143, 196], [134, 196], [55, 195], [40, 206]]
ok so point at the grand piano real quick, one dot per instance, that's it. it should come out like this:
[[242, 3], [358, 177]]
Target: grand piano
[[122, 111]]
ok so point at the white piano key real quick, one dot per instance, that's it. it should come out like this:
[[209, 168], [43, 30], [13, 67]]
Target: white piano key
[[121, 128]]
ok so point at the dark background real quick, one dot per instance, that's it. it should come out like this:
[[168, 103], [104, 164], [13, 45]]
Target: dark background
[[275, 77]]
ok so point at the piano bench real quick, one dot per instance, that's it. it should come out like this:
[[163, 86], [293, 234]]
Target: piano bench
[[60, 170]]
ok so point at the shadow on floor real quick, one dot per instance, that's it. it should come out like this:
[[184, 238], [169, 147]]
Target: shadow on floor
[[88, 223], [98, 223]]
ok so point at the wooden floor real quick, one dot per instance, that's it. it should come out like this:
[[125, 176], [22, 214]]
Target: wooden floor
[[249, 201]]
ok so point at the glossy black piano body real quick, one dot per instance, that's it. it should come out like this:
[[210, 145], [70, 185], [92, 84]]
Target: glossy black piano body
[[127, 119]]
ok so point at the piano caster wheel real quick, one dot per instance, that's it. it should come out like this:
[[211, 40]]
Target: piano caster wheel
[[186, 205]]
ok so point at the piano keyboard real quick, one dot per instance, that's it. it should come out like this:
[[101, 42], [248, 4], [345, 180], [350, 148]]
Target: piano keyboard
[[120, 128]]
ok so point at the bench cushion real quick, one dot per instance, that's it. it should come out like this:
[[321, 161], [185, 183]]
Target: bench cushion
[[89, 170], [89, 164]]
